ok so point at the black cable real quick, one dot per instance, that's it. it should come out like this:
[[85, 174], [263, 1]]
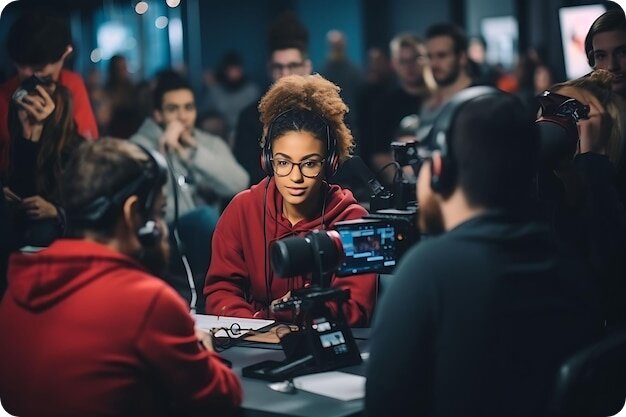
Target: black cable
[[177, 240], [268, 288], [394, 163]]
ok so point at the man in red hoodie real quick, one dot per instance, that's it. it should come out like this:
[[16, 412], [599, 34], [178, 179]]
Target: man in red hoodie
[[38, 44], [305, 140], [86, 328]]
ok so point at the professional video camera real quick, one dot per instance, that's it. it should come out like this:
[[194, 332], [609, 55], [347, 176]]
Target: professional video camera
[[373, 244], [557, 119]]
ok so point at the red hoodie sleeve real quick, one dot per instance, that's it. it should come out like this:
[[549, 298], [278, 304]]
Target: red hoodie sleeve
[[358, 310], [228, 273], [195, 379]]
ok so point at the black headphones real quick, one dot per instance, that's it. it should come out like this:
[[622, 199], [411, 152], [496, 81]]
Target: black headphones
[[331, 162], [439, 143], [148, 183]]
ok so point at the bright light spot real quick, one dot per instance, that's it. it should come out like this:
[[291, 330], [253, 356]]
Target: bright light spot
[[161, 22], [176, 32], [95, 56], [172, 3], [141, 7], [112, 36], [131, 43]]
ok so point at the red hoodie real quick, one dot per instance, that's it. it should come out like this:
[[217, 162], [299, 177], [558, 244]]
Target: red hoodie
[[236, 282], [86, 332]]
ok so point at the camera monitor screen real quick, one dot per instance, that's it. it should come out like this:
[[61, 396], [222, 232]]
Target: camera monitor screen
[[369, 246]]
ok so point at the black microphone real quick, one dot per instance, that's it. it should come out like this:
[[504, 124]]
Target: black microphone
[[356, 165]]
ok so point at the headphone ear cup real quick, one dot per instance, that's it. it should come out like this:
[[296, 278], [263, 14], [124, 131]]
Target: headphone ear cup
[[441, 180], [266, 159], [331, 165], [149, 233]]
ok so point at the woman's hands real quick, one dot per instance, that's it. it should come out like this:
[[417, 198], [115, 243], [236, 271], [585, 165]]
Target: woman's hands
[[35, 109]]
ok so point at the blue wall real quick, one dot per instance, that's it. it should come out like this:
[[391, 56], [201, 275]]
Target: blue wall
[[417, 16], [476, 10]]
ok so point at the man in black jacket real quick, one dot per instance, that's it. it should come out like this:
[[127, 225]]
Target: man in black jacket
[[478, 320], [288, 42]]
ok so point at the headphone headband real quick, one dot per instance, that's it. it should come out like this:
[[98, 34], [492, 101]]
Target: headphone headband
[[438, 140], [148, 183], [331, 161]]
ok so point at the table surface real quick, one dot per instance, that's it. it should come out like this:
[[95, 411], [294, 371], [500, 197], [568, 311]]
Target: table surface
[[260, 400]]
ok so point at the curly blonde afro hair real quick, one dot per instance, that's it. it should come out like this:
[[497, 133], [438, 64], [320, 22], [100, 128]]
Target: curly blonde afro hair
[[309, 93]]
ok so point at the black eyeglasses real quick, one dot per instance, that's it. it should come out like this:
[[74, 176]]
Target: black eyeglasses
[[309, 168], [553, 104], [291, 66]]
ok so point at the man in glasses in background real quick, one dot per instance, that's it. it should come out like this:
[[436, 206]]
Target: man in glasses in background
[[288, 42]]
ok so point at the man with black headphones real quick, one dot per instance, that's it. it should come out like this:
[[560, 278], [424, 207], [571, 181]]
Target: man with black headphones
[[605, 46], [478, 319], [87, 328]]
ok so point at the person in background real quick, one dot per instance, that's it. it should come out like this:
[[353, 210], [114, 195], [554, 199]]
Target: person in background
[[206, 172], [38, 43], [43, 139], [288, 43], [415, 84], [232, 92], [480, 316], [123, 342], [305, 139], [343, 72], [482, 72], [605, 46], [446, 45], [584, 203], [379, 80]]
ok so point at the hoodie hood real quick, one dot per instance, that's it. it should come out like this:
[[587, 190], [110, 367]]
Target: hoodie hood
[[339, 205], [41, 280]]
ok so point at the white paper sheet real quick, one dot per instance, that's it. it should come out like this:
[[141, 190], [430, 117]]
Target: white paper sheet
[[338, 385], [207, 322]]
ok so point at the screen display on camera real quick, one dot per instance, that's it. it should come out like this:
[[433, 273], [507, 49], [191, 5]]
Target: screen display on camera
[[368, 247], [331, 338]]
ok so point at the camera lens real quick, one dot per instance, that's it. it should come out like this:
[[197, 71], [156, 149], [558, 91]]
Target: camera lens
[[295, 256]]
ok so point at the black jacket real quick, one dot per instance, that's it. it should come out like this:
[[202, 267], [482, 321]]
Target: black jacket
[[477, 322]]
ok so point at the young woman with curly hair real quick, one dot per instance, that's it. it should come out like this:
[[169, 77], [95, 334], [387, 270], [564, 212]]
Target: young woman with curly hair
[[305, 139]]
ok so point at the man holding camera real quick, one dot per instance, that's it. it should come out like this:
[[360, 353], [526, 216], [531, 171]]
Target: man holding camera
[[479, 319], [87, 328], [39, 43]]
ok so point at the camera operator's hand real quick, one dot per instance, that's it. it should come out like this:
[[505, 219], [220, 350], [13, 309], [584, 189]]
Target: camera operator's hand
[[36, 108], [282, 299], [38, 208]]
